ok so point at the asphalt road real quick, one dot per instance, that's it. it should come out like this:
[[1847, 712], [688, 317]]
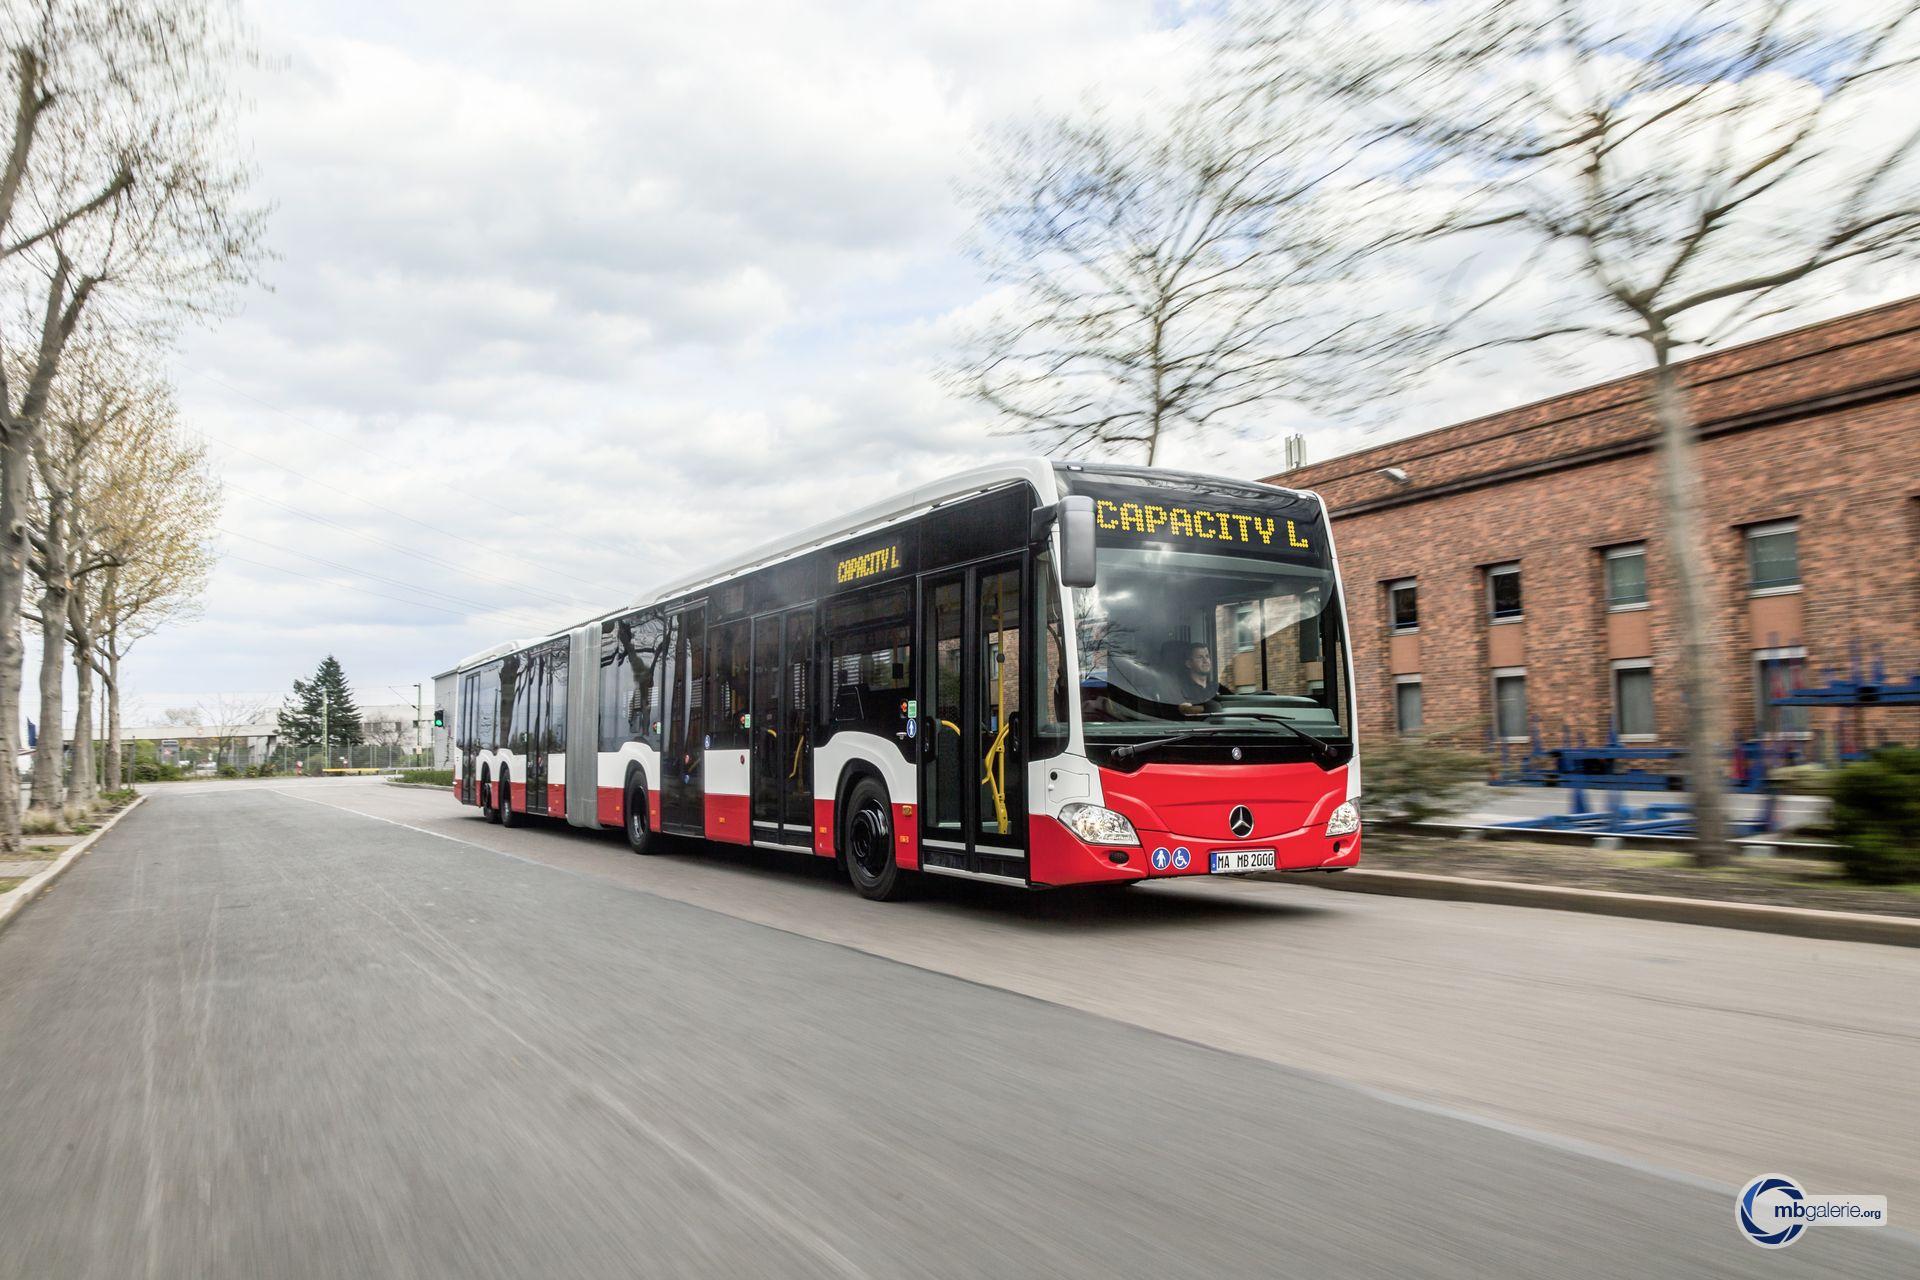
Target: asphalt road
[[324, 1029]]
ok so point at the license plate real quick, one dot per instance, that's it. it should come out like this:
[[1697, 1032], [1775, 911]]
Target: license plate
[[1236, 862]]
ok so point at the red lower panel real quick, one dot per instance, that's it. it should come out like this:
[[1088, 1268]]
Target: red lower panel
[[557, 798], [1058, 857], [456, 792], [609, 807], [729, 819], [653, 810], [517, 796], [823, 828], [906, 837]]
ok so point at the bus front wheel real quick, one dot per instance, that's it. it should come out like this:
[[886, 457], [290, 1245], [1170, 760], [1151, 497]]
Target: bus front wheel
[[489, 800], [508, 818], [639, 835], [866, 843]]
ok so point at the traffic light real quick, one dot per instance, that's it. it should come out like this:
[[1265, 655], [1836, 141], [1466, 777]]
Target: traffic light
[[439, 718]]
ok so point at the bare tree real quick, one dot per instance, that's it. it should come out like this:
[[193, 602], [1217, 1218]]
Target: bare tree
[[227, 715], [152, 497], [1665, 176], [97, 387], [119, 178], [1179, 276]]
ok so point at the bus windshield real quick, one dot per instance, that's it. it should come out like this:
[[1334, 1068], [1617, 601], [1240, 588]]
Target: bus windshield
[[1173, 639]]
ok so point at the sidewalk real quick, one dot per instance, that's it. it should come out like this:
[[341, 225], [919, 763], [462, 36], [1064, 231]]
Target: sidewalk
[[32, 872], [1807, 897]]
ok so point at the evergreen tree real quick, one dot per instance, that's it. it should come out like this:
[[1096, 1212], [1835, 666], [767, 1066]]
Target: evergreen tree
[[321, 708], [300, 717]]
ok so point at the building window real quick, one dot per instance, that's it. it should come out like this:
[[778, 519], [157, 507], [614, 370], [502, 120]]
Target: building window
[[1403, 605], [1245, 636], [1627, 578], [1407, 709], [1503, 592], [1633, 699], [1773, 557], [1776, 673], [1510, 703]]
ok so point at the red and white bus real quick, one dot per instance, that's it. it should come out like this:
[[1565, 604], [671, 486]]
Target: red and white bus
[[1034, 674]]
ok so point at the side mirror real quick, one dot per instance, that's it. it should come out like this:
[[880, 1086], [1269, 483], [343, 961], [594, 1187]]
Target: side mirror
[[1076, 541]]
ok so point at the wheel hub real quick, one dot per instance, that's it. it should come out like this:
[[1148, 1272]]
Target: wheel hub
[[870, 838]]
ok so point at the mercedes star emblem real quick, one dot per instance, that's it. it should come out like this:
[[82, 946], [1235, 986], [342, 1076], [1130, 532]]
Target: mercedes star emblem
[[1240, 821]]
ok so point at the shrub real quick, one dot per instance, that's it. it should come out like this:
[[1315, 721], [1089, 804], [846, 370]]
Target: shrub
[[1411, 779], [430, 777], [228, 771], [117, 798], [1801, 780], [41, 822], [154, 771], [1876, 816]]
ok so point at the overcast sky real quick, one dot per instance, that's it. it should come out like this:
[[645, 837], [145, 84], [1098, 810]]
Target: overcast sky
[[574, 297]]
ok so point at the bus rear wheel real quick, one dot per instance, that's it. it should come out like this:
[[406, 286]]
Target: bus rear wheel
[[489, 801], [866, 843], [508, 818]]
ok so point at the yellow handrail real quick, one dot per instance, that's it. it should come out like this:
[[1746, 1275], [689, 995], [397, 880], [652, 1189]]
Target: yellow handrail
[[996, 776]]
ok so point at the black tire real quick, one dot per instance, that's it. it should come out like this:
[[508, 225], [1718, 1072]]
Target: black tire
[[640, 837], [866, 843], [489, 806], [508, 818]]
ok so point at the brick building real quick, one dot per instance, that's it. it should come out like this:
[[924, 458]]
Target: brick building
[[1510, 572]]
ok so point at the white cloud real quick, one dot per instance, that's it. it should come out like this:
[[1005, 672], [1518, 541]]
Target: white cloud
[[574, 297]]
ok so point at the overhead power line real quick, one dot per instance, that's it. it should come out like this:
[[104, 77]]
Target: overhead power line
[[517, 513], [378, 506], [427, 557], [347, 586], [404, 585]]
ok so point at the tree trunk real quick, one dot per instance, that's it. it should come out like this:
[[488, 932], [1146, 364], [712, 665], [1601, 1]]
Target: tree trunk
[[1699, 632], [83, 784], [14, 454], [115, 779], [80, 790], [48, 756]]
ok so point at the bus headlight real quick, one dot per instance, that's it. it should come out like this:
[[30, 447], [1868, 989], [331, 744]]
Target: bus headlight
[[1098, 826], [1345, 820]]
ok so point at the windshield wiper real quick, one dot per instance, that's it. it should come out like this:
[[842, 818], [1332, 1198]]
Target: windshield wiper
[[1127, 751], [1321, 751]]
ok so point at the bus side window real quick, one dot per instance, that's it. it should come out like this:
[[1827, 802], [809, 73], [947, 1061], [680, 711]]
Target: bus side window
[[870, 660]]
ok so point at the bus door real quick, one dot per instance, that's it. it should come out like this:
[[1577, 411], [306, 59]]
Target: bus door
[[782, 727], [682, 780], [539, 710], [466, 739], [972, 768]]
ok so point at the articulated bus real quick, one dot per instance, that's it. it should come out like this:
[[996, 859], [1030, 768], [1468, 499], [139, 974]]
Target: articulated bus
[[1033, 674]]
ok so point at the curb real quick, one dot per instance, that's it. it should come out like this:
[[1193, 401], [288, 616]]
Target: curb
[[421, 786], [1804, 922], [12, 901]]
